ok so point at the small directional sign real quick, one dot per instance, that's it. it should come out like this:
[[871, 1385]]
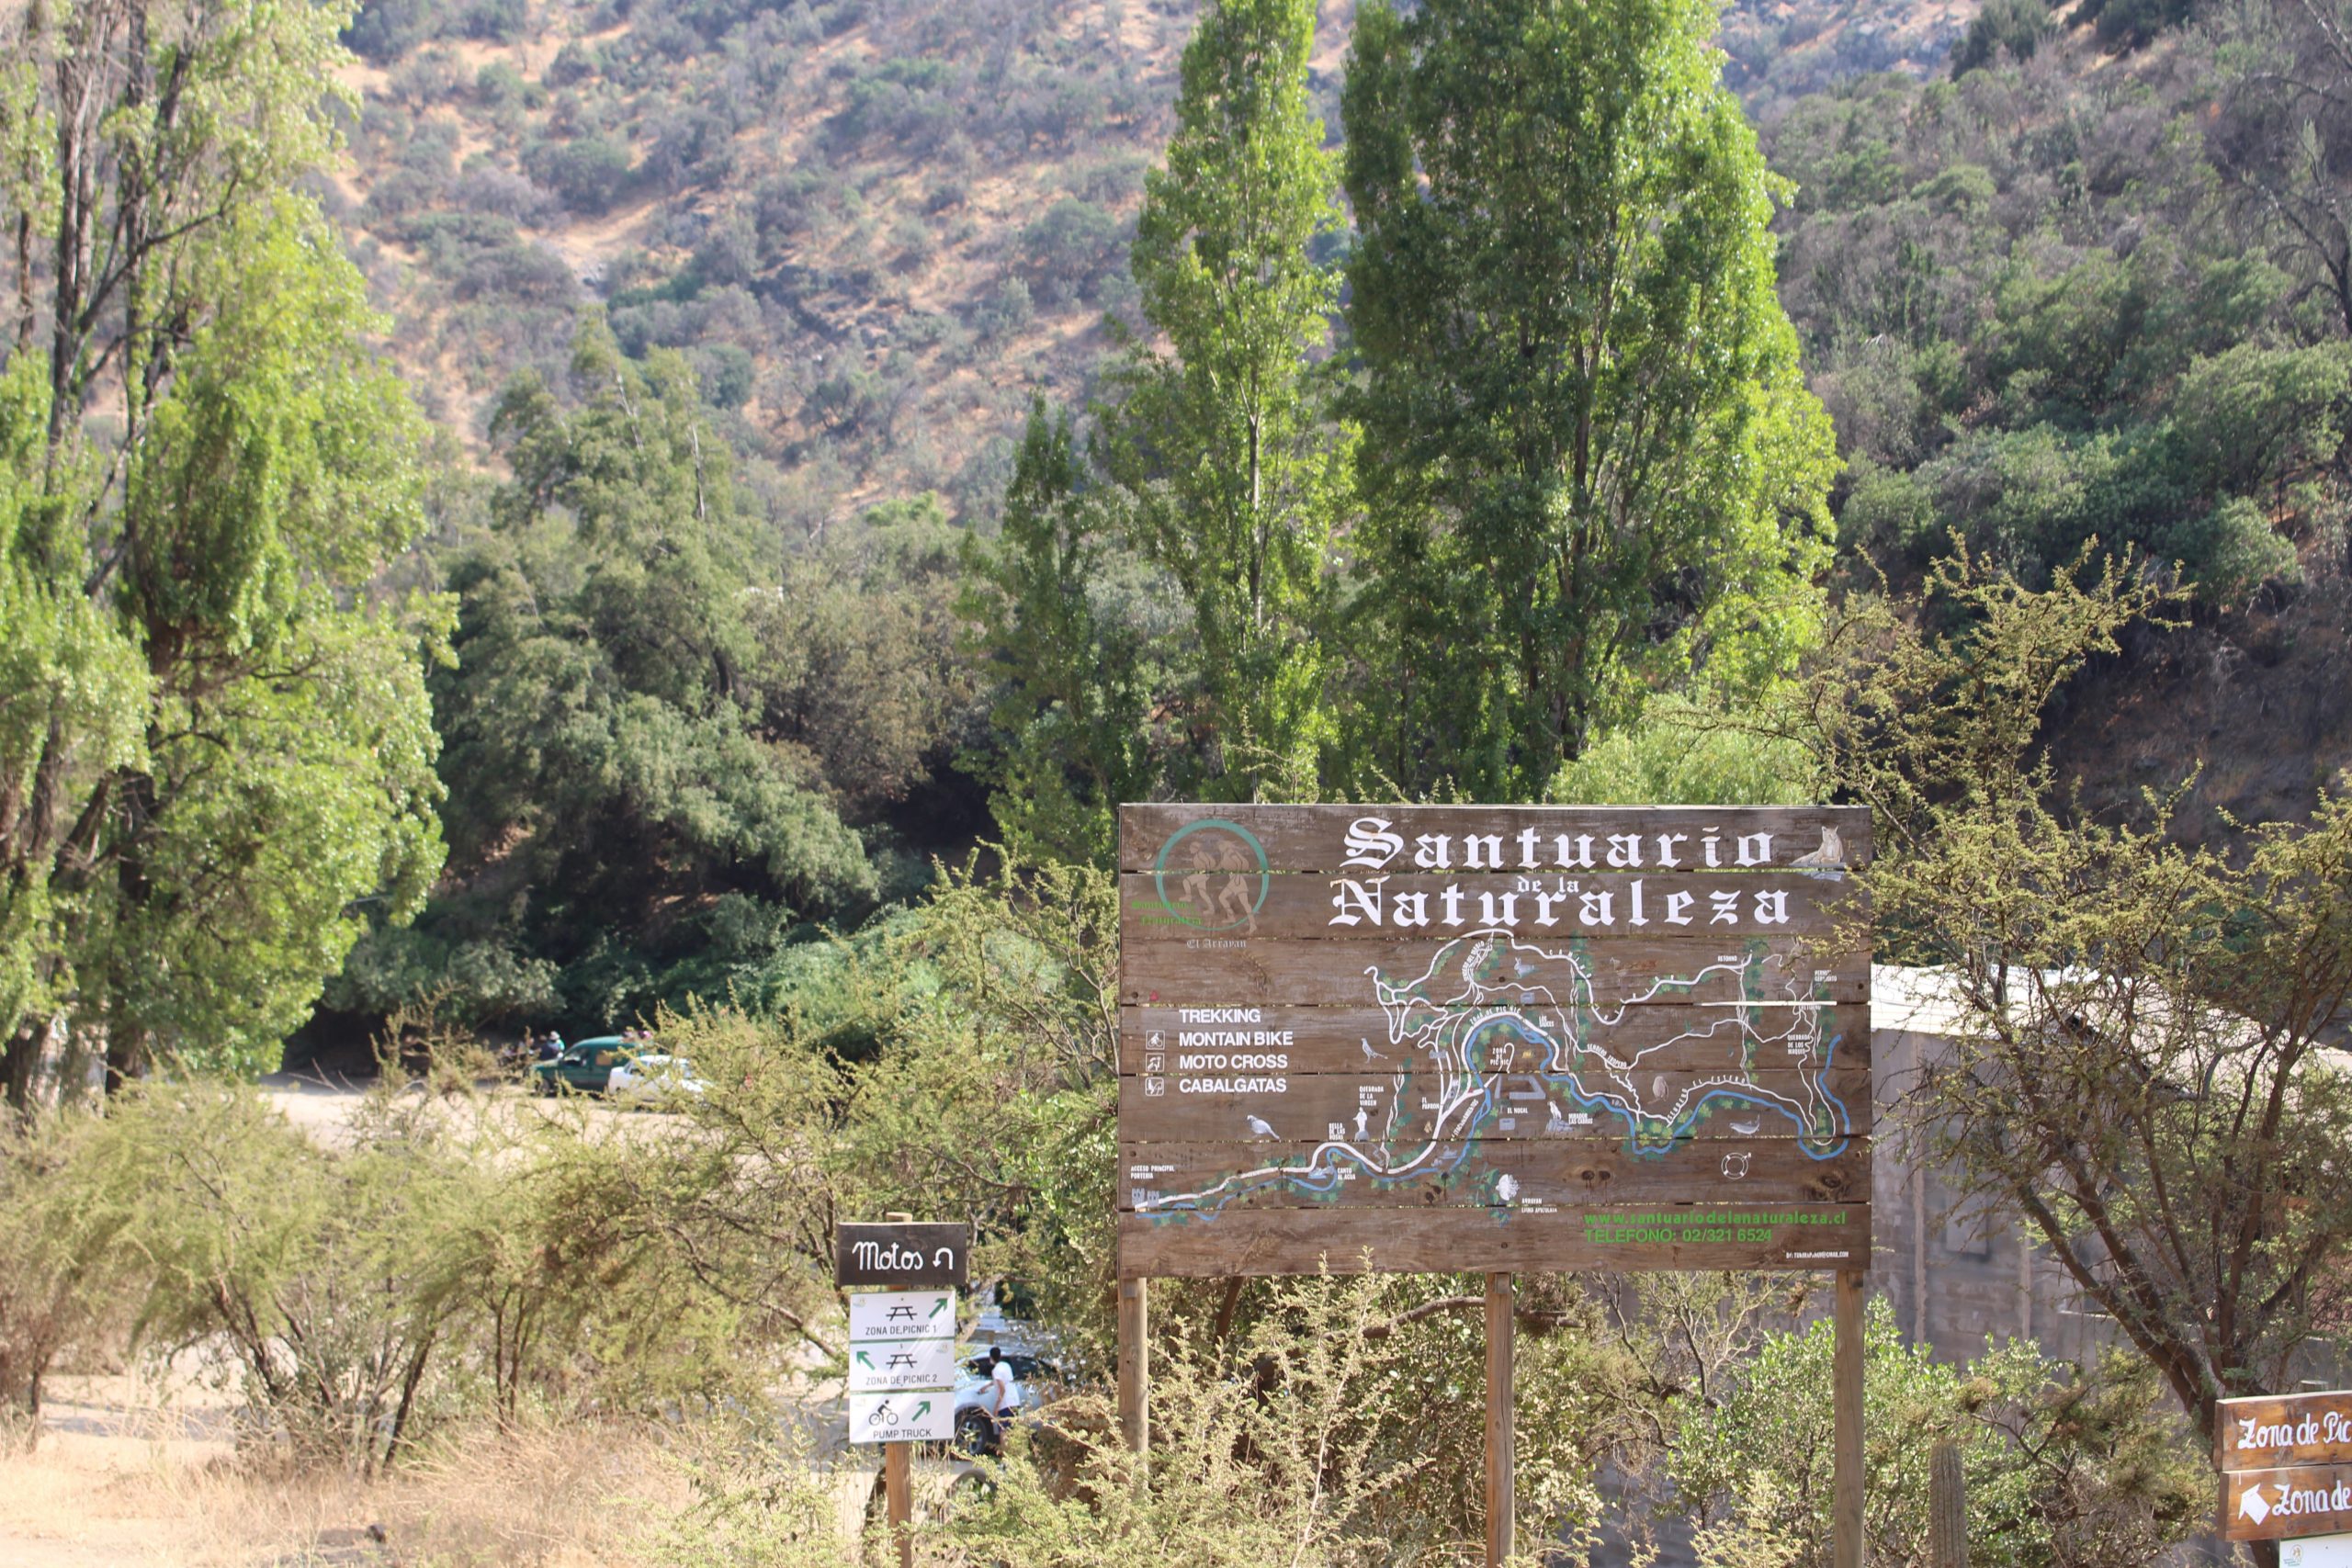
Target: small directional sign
[[902, 1366], [914, 1417], [894, 1365], [887, 1316], [902, 1255], [2276, 1505]]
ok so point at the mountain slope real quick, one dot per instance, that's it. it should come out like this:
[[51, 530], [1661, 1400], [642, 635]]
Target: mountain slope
[[876, 226]]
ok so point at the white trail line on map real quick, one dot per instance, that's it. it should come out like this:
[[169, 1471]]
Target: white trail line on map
[[1448, 1037]]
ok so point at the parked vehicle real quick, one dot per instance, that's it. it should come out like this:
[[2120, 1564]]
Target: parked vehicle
[[586, 1065], [976, 1429], [649, 1078]]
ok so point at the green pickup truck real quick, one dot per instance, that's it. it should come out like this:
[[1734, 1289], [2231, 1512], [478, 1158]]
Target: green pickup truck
[[586, 1066]]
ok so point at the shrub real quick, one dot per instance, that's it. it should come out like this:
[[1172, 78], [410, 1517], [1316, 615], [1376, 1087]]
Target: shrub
[[496, 21], [60, 1265], [518, 272], [386, 29], [571, 63], [1005, 311], [485, 187], [588, 174], [725, 372], [1067, 250]]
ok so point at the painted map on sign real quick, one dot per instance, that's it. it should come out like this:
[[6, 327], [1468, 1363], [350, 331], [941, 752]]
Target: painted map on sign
[[1503, 1035]]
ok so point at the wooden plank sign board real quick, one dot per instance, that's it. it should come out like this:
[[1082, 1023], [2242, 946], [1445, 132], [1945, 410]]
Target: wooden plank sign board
[[1492, 1038], [2275, 1430], [2276, 1505], [2286, 1463]]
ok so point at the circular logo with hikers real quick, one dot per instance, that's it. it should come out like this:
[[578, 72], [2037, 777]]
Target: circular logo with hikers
[[1212, 875]]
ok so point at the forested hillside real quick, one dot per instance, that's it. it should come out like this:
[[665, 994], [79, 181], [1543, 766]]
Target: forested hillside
[[874, 229], [828, 474], [2048, 272]]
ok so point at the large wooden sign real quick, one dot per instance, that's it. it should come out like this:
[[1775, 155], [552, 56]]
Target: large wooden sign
[[1491, 1038], [2286, 1463]]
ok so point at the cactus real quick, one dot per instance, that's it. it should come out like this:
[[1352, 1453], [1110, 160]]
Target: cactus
[[1947, 1509]]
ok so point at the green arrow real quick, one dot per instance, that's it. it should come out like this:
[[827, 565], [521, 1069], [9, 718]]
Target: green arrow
[[918, 1410], [939, 1305], [861, 1356]]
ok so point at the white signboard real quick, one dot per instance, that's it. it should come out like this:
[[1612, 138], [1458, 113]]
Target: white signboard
[[894, 1365], [2316, 1551], [916, 1416], [902, 1367], [894, 1316]]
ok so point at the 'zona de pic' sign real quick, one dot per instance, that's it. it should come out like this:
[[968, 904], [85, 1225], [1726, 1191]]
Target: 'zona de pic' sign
[[1426, 1039], [2286, 1464]]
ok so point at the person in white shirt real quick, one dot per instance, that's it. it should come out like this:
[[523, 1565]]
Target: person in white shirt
[[1004, 1393]]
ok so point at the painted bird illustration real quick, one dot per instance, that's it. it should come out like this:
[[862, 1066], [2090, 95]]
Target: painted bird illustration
[[1259, 1129], [1831, 853], [1368, 1053]]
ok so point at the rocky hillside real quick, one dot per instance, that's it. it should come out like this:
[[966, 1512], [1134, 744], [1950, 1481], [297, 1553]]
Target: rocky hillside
[[877, 227]]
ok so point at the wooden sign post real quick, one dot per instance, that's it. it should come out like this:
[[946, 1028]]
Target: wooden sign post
[[901, 1383], [2286, 1464], [1502, 1439], [1493, 1039]]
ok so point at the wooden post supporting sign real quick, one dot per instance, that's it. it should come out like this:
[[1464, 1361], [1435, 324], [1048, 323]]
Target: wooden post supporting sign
[[1846, 1438], [1135, 1366], [1502, 1451], [897, 1492]]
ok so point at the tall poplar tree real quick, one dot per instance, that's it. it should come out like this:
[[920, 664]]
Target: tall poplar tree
[[1590, 459], [1231, 471], [215, 742]]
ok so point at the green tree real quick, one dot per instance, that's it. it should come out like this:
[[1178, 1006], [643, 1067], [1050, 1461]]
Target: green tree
[[616, 780], [2067, 1467], [1589, 457], [1074, 690], [221, 743], [2139, 1062], [1233, 477]]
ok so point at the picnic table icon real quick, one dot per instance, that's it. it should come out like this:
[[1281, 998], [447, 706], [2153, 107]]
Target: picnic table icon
[[900, 1359], [899, 1311]]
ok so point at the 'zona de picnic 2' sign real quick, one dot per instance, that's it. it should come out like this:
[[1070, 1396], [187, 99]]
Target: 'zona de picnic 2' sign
[[1491, 1038]]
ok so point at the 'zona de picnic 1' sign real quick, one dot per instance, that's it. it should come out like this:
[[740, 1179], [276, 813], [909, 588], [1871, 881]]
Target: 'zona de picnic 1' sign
[[1491, 1038]]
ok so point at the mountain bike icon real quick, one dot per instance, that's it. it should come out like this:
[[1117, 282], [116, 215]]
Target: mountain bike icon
[[883, 1415]]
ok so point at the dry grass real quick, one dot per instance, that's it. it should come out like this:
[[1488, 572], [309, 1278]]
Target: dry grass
[[129, 1484]]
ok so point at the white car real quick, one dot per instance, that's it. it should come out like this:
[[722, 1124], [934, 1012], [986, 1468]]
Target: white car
[[652, 1079], [976, 1429]]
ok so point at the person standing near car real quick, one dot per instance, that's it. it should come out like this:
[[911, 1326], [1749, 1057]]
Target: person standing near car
[[1004, 1393]]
